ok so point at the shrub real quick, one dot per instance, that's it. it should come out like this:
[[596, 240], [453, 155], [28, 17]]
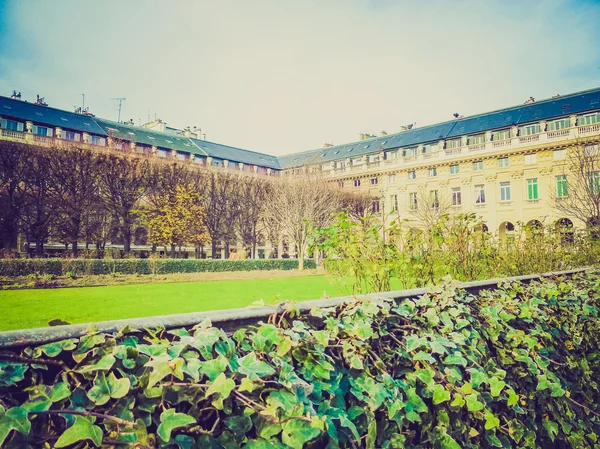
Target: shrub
[[513, 367], [84, 267]]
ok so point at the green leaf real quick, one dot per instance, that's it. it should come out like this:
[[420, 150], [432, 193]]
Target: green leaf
[[473, 405], [162, 367], [212, 368], [458, 401], [491, 421], [170, 420], [449, 443], [83, 429], [423, 356], [104, 364], [414, 342], [551, 428], [221, 386], [15, 418], [105, 388], [513, 398], [297, 432], [249, 365], [440, 394], [496, 386], [455, 359], [414, 402]]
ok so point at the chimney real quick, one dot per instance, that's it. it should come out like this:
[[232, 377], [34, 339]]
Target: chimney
[[383, 133], [327, 145]]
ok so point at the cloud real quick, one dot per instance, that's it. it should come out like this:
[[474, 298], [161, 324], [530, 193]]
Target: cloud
[[286, 76]]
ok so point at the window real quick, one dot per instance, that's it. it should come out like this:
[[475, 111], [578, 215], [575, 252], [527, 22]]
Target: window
[[432, 172], [595, 182], [357, 183], [562, 190], [505, 191], [70, 135], [477, 139], [478, 165], [341, 184], [431, 148], [375, 206], [532, 189], [588, 119], [340, 164], [183, 157], [479, 194], [590, 150], [434, 199], [12, 125], [502, 162], [559, 124], [392, 178], [97, 140], [374, 181], [412, 174], [373, 158], [529, 130], [410, 152], [454, 169], [163, 153], [501, 135], [356, 161], [391, 155], [453, 143], [560, 155], [393, 203], [412, 201], [530, 159], [456, 196], [42, 131]]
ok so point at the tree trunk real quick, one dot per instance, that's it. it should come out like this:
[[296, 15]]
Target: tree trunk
[[39, 247], [213, 248], [74, 248], [173, 251], [127, 242], [300, 261]]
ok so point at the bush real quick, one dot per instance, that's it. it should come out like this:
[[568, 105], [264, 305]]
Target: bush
[[85, 267], [513, 367]]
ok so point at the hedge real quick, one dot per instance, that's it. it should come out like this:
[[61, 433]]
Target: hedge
[[82, 267], [513, 367]]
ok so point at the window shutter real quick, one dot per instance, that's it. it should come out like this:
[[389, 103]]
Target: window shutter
[[20, 126]]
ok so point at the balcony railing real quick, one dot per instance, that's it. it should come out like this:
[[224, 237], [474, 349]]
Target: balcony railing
[[529, 139], [43, 139], [501, 143], [478, 147], [589, 128], [13, 134], [559, 133]]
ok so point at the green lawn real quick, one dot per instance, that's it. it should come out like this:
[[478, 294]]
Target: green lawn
[[21, 309]]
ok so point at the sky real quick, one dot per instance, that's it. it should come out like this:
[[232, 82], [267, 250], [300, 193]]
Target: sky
[[283, 76]]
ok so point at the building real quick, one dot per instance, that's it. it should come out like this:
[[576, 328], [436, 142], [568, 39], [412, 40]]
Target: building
[[502, 165]]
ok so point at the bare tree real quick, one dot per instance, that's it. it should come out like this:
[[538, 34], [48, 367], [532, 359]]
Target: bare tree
[[75, 189], [577, 191], [300, 203], [38, 213], [124, 183], [12, 172], [430, 207], [221, 208], [254, 195]]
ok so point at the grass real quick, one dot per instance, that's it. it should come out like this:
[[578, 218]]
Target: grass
[[22, 309]]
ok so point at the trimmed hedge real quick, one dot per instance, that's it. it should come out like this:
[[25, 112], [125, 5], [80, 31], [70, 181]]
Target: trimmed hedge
[[83, 267]]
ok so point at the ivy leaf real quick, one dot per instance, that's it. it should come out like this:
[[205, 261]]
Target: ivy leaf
[[473, 405], [15, 418], [496, 386], [458, 401], [440, 394], [556, 390], [169, 420], [104, 364], [423, 356], [491, 421], [413, 342], [449, 443], [297, 432], [247, 385], [284, 346], [212, 368], [414, 402], [223, 387], [477, 377], [551, 428], [162, 367], [455, 359], [59, 392], [250, 366], [513, 398], [105, 388], [83, 429]]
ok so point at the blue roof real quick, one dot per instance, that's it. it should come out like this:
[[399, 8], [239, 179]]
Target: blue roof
[[228, 153], [150, 137], [552, 108], [23, 110]]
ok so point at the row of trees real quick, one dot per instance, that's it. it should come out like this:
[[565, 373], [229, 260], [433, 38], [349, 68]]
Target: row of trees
[[77, 196]]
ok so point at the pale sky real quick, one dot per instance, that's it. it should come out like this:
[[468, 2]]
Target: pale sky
[[283, 76]]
